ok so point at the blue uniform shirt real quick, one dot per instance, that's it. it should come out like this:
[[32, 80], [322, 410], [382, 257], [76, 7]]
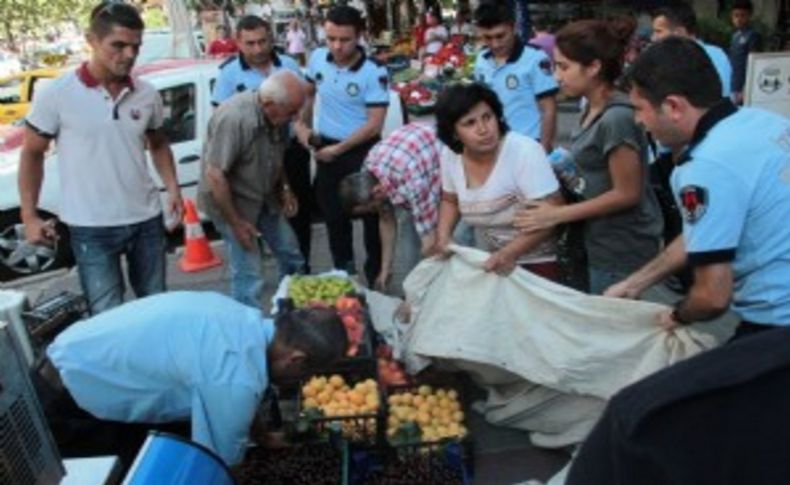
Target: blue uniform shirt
[[722, 64], [733, 188], [170, 357], [235, 75], [346, 93], [523, 79]]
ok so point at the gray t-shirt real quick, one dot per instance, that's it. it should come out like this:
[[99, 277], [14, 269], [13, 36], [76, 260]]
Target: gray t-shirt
[[249, 150], [624, 241]]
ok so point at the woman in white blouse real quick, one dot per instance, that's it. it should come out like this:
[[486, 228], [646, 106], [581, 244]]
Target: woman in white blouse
[[488, 173]]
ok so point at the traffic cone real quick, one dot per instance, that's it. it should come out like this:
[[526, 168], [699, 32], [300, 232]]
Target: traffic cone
[[197, 252]]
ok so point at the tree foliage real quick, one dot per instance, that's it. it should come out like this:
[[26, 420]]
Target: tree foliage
[[34, 17]]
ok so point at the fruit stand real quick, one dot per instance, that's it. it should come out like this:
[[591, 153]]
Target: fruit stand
[[365, 421]]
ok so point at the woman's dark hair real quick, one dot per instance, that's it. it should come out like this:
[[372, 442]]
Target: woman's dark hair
[[491, 13], [675, 66], [742, 5], [586, 41], [107, 15], [455, 102], [356, 190], [348, 16], [252, 22], [318, 332]]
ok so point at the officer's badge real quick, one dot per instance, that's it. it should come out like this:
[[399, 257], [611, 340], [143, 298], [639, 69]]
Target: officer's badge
[[352, 89], [384, 81], [545, 66], [511, 82], [319, 77], [693, 202], [135, 114]]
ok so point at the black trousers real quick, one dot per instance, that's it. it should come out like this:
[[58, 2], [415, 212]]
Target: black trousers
[[338, 223], [297, 169]]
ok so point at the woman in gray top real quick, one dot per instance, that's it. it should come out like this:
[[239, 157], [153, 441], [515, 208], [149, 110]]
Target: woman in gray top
[[622, 220]]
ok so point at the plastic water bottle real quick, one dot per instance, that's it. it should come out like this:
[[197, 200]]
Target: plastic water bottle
[[566, 170]]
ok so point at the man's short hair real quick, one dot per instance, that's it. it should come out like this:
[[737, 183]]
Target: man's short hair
[[318, 332], [455, 102], [356, 190], [107, 15], [742, 5], [676, 66], [491, 13], [678, 14], [344, 15], [252, 22]]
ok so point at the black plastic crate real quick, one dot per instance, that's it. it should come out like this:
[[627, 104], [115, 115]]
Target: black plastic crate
[[323, 463], [364, 429]]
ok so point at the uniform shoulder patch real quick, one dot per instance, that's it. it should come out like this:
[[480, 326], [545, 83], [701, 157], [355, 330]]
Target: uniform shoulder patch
[[384, 81], [228, 61], [545, 66], [693, 202]]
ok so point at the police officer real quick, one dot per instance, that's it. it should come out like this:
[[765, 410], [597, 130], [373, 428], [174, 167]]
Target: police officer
[[733, 187], [519, 73], [256, 61], [352, 107], [679, 19]]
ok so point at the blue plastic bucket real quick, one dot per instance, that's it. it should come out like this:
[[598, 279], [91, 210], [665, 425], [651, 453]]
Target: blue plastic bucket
[[166, 459]]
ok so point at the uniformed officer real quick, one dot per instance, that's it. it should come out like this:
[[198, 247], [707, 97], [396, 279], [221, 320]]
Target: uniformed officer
[[733, 187], [352, 106], [679, 19], [520, 74], [256, 61]]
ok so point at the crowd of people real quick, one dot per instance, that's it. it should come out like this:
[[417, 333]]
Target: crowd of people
[[487, 173]]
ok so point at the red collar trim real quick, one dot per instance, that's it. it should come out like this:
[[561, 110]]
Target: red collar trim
[[84, 75]]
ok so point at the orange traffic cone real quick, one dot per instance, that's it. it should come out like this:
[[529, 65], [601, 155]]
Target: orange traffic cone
[[197, 253]]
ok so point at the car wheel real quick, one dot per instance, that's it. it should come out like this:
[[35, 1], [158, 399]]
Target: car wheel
[[18, 258]]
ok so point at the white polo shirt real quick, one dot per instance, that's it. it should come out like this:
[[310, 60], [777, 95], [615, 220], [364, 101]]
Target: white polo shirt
[[104, 180]]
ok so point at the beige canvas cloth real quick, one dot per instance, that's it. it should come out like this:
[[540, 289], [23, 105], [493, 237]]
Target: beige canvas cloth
[[548, 355]]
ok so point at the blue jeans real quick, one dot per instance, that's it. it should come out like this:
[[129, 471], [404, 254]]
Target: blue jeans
[[98, 251], [246, 269]]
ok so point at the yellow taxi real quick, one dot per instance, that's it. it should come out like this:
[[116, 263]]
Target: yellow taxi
[[17, 91]]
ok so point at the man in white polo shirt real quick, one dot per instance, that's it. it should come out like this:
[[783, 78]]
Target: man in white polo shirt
[[102, 120]]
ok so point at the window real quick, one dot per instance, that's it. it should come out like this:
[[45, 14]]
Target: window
[[10, 91], [179, 113]]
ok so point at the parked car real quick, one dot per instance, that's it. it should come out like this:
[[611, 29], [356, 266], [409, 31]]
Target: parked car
[[185, 86], [17, 91]]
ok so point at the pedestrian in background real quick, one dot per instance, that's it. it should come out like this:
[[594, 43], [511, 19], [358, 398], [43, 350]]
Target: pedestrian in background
[[622, 221], [242, 185], [354, 96], [223, 45], [103, 121], [745, 40], [296, 41]]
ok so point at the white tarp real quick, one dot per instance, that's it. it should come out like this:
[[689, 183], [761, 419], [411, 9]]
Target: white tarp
[[549, 356]]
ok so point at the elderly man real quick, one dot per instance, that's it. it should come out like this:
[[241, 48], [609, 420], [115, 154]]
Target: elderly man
[[242, 186]]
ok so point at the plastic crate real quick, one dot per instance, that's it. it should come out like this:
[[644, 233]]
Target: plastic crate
[[444, 463], [366, 429]]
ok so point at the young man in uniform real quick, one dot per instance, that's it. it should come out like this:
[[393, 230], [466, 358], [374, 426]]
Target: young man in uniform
[[256, 61], [354, 97], [520, 74], [177, 356], [103, 120], [678, 18], [745, 40], [242, 186], [732, 184]]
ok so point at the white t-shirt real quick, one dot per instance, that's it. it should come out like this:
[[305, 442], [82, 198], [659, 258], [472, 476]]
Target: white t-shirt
[[104, 178], [296, 40], [521, 173], [440, 33]]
